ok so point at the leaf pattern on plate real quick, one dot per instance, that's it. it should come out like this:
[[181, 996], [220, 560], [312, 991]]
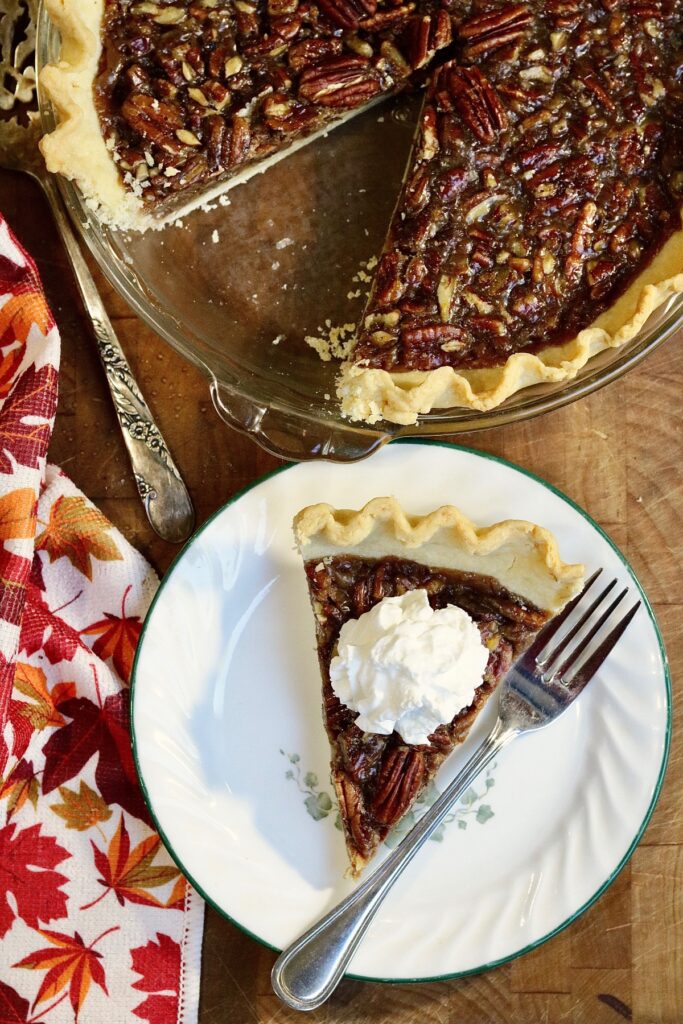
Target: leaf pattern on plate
[[469, 808], [319, 804]]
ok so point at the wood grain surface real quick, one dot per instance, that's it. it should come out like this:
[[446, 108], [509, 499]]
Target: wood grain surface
[[617, 453]]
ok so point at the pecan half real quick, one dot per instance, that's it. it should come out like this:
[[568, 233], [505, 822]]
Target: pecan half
[[399, 780], [312, 51], [361, 753], [488, 32], [428, 334], [394, 17], [351, 812], [227, 143], [426, 35], [389, 283], [337, 715], [339, 82], [348, 13], [582, 232], [155, 120], [474, 98]]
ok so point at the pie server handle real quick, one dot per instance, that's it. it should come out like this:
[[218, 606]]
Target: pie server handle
[[165, 498], [306, 974]]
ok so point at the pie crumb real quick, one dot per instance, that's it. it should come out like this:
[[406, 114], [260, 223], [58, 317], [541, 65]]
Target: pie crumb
[[362, 274], [284, 242], [280, 337], [335, 342], [215, 236]]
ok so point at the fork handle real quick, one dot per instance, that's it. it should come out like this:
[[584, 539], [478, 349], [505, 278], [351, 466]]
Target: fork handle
[[307, 973], [161, 488]]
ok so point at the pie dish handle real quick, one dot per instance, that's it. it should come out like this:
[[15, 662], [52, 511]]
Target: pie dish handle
[[290, 435]]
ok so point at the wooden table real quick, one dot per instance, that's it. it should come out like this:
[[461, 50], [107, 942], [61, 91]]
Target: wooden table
[[619, 455]]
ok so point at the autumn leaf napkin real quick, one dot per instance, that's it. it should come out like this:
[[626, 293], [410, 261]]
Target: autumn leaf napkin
[[96, 923]]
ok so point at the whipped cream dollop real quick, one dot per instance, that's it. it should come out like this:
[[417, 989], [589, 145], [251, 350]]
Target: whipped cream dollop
[[404, 666]]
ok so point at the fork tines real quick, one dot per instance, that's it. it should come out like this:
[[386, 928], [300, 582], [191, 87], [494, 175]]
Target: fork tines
[[584, 640]]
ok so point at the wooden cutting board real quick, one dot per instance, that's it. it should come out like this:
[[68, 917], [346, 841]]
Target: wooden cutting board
[[619, 454]]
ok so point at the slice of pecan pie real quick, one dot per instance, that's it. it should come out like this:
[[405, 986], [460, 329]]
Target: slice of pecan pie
[[165, 104], [540, 218], [508, 577]]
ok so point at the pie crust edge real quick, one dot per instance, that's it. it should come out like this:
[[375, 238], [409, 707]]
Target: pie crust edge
[[77, 149], [371, 395], [523, 557]]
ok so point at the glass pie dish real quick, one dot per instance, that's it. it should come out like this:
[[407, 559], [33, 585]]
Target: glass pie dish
[[243, 283]]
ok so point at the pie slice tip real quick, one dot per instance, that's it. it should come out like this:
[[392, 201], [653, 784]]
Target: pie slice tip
[[510, 579]]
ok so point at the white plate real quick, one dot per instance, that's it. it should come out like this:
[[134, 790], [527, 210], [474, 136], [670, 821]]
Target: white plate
[[234, 759]]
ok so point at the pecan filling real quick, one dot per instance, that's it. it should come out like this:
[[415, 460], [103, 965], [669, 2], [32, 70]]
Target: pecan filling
[[378, 777], [547, 172], [193, 90]]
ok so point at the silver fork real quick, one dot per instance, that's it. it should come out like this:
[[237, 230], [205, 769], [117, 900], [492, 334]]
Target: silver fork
[[541, 684], [161, 488]]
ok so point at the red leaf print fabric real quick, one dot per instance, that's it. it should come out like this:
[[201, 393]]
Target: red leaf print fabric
[[69, 964], [90, 902], [157, 964], [117, 638], [130, 874], [42, 631], [33, 399], [26, 862], [13, 1009], [96, 730], [14, 574]]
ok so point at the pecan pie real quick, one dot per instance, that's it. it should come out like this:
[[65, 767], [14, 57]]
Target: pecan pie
[[540, 218], [508, 577], [165, 103], [539, 222]]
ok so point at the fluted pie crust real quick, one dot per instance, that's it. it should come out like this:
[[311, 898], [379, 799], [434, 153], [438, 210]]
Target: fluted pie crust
[[372, 395], [508, 576]]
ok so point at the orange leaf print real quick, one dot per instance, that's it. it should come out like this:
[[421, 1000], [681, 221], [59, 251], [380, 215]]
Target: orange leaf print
[[79, 532], [17, 317], [67, 961], [19, 786], [176, 900], [41, 712], [118, 638], [82, 808], [9, 364], [20, 313], [18, 514], [129, 873]]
